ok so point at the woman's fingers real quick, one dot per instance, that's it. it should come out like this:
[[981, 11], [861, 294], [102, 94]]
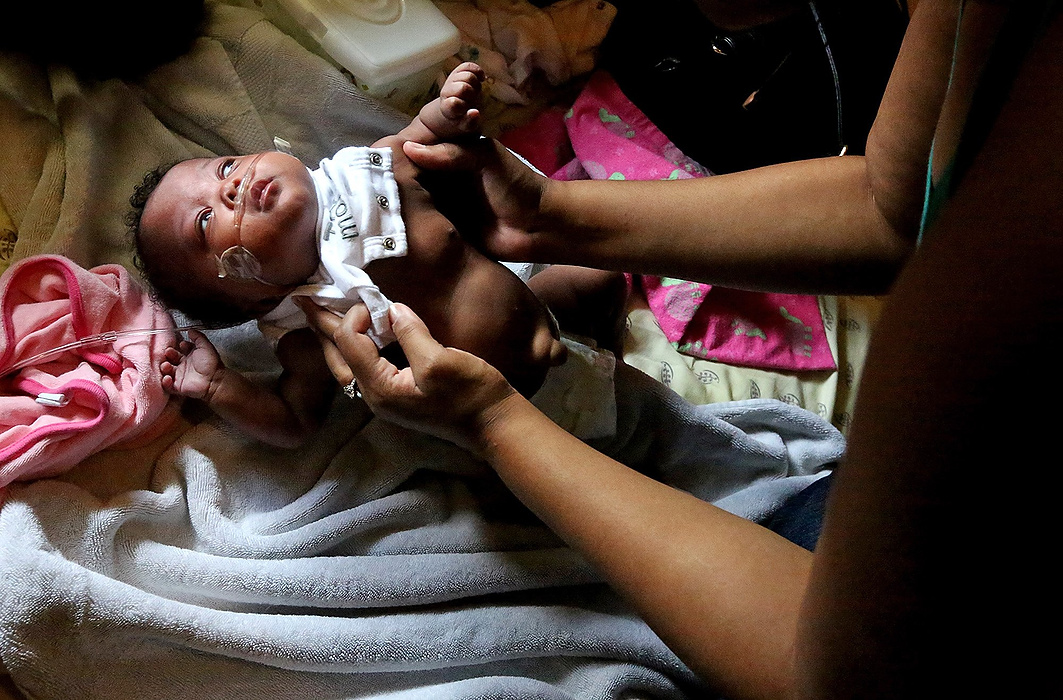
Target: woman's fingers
[[442, 392], [443, 156], [321, 320], [437, 371], [334, 359], [433, 366], [414, 338], [349, 353]]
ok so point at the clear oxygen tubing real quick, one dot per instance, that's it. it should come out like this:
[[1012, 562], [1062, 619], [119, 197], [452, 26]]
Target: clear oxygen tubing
[[97, 339], [237, 260]]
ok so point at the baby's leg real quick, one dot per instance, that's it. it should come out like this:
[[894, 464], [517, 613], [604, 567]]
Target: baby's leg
[[456, 112], [586, 301]]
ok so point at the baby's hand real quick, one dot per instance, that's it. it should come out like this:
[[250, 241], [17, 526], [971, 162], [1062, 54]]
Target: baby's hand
[[461, 96], [192, 368]]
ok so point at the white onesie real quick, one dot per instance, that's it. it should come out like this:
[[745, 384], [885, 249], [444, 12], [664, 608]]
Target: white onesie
[[358, 221]]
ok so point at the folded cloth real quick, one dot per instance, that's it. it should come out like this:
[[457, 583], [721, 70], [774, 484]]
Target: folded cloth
[[605, 137], [513, 40], [61, 408]]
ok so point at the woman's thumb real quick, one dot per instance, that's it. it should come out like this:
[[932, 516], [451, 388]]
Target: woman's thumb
[[413, 335], [441, 156]]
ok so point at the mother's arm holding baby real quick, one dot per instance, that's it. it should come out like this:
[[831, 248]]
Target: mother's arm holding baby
[[904, 596], [842, 225], [673, 556]]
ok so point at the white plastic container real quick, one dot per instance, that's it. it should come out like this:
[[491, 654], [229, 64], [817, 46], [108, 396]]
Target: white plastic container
[[394, 48]]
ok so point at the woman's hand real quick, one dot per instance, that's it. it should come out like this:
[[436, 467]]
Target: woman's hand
[[444, 392], [504, 214]]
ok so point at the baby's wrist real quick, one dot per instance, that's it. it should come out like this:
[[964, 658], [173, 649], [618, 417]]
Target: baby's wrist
[[221, 384]]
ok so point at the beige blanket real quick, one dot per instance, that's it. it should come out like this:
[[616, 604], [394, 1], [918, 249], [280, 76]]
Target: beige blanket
[[73, 150]]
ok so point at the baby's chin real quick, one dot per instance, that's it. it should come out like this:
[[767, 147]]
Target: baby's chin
[[290, 259], [287, 276]]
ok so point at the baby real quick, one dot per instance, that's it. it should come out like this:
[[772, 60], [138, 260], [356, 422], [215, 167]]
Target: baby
[[225, 240]]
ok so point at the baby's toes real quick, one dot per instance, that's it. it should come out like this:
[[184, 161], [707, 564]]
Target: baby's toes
[[453, 108], [468, 88], [469, 73], [471, 120], [468, 67], [464, 91]]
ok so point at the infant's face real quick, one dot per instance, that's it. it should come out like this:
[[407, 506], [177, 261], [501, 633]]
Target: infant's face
[[192, 217]]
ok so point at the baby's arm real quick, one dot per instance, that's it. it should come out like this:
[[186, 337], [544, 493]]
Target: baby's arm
[[286, 418], [456, 112]]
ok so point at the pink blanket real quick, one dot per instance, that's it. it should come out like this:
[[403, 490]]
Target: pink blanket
[[60, 409], [605, 137]]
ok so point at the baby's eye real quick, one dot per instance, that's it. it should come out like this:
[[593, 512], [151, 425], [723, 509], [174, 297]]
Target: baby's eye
[[227, 167], [203, 219]]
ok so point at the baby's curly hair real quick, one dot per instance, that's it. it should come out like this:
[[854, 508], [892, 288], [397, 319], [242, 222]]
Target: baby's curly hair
[[138, 200], [165, 285]]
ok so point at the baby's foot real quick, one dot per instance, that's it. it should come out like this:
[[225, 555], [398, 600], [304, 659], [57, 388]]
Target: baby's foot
[[457, 110]]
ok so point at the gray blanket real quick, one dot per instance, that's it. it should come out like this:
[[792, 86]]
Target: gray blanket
[[374, 563]]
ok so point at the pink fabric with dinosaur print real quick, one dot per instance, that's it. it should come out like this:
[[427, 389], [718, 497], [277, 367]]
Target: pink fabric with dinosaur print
[[605, 137], [112, 392]]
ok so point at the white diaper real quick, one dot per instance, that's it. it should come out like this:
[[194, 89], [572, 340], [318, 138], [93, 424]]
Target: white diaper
[[580, 394]]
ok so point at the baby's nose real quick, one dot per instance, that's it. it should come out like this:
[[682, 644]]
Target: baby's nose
[[229, 189]]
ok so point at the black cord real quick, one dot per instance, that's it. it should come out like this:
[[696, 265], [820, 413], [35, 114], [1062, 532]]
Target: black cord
[[834, 74]]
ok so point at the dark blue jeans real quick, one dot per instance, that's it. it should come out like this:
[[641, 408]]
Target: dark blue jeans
[[800, 518]]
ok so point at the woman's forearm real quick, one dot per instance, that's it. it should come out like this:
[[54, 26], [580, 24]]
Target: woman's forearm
[[829, 225], [810, 226], [721, 591]]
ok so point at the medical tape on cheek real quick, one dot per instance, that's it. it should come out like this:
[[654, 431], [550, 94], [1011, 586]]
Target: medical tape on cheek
[[237, 260]]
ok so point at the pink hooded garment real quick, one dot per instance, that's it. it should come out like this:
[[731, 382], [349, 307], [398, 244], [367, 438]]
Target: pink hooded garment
[[104, 393]]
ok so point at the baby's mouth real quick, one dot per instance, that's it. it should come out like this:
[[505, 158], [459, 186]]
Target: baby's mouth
[[260, 193]]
